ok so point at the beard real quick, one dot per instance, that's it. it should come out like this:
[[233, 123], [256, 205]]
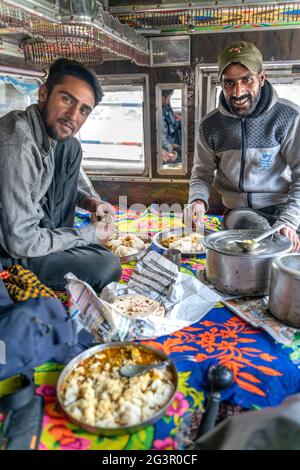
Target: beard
[[251, 104], [51, 131]]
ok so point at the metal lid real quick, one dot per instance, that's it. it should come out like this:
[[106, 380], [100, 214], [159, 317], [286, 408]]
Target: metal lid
[[224, 242]]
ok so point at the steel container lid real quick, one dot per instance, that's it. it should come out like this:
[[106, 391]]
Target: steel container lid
[[224, 242]]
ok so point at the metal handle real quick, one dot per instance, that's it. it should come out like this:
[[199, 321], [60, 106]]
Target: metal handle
[[210, 416], [269, 232], [220, 378]]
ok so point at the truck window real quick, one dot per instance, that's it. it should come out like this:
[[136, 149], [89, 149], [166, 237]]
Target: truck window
[[17, 93], [113, 138]]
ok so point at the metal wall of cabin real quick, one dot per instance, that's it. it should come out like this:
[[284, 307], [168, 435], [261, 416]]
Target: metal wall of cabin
[[277, 45]]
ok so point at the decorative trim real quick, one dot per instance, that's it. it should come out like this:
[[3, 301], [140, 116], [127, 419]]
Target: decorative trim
[[215, 18], [78, 37]]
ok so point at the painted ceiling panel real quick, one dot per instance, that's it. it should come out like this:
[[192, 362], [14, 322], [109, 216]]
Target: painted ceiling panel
[[208, 17]]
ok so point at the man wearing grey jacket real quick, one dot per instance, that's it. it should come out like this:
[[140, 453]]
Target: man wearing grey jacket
[[248, 145], [40, 164]]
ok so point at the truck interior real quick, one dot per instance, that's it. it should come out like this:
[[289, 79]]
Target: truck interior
[[143, 51]]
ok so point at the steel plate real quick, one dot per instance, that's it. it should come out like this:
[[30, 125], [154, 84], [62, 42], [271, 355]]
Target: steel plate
[[140, 254], [175, 232], [125, 429]]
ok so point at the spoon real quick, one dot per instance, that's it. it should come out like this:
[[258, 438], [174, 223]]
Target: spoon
[[251, 244], [133, 370]]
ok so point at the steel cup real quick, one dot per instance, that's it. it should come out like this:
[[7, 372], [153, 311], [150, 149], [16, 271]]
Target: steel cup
[[173, 255]]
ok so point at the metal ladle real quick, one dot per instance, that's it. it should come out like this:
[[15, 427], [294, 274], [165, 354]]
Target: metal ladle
[[133, 370], [251, 244]]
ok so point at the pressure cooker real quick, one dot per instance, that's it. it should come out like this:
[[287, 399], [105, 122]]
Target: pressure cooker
[[243, 273]]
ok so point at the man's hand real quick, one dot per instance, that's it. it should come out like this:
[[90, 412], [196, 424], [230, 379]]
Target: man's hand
[[103, 218], [197, 208], [104, 229], [99, 209], [104, 209], [293, 236], [173, 156], [168, 156]]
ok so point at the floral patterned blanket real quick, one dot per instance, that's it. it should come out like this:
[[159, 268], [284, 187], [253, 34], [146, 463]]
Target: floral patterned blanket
[[265, 372]]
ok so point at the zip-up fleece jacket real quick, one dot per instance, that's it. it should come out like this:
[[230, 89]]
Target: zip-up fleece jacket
[[252, 161], [26, 171]]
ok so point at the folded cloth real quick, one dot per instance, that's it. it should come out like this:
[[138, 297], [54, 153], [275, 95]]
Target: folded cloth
[[22, 284]]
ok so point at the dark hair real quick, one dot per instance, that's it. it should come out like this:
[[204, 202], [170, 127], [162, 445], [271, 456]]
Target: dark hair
[[166, 93], [64, 67]]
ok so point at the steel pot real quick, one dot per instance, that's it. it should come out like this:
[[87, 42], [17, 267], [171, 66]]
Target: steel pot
[[234, 271], [284, 300]]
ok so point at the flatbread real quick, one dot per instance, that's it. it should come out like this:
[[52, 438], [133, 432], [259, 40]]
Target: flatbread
[[138, 306]]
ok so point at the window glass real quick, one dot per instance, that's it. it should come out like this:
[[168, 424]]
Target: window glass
[[288, 91], [112, 138], [171, 123], [17, 93], [176, 102], [171, 150]]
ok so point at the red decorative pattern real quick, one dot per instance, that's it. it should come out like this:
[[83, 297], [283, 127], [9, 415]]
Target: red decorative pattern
[[231, 343]]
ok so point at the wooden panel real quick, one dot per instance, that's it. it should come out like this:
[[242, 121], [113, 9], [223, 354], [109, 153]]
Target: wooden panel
[[143, 193], [274, 45], [149, 193]]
